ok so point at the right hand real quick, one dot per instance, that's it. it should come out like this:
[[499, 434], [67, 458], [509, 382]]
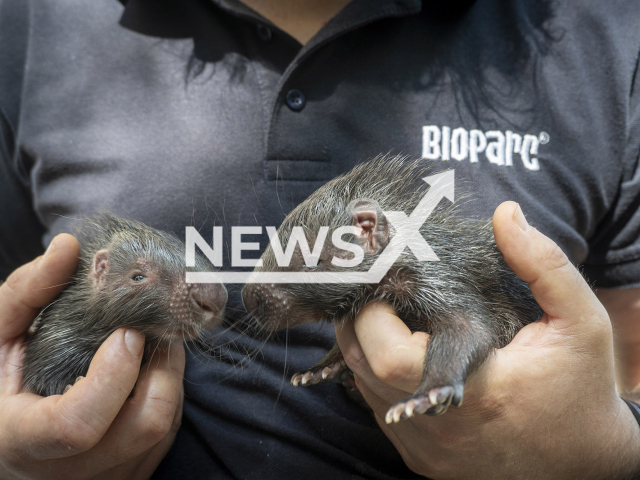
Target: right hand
[[94, 430], [545, 406]]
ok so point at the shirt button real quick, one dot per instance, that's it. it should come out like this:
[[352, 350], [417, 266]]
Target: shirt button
[[295, 99], [264, 33]]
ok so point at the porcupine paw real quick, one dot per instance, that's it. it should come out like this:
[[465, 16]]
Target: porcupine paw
[[66, 389], [336, 373], [433, 402]]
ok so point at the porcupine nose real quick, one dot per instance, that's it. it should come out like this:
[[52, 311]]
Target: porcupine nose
[[209, 299]]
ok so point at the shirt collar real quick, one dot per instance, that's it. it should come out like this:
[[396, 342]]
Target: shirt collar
[[174, 18]]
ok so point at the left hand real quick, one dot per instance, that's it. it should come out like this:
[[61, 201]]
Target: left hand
[[95, 430], [545, 406]]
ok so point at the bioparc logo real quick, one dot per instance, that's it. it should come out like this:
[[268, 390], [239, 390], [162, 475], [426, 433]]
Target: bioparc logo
[[407, 234]]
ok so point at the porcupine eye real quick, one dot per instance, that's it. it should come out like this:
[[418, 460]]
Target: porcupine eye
[[138, 278]]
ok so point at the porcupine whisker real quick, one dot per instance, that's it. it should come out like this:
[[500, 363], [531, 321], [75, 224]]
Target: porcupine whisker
[[209, 346]]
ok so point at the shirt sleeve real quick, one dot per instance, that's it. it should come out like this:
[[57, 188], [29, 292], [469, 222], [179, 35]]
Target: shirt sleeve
[[20, 229], [614, 258]]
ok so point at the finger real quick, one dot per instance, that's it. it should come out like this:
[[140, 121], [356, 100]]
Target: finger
[[394, 353], [36, 284], [555, 283], [144, 430], [159, 451], [151, 413], [144, 464], [64, 425], [357, 362]]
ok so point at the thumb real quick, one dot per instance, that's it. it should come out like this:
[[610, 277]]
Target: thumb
[[555, 283], [63, 425], [36, 284]]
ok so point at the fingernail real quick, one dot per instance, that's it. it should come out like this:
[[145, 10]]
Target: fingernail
[[50, 248], [519, 218], [134, 341]]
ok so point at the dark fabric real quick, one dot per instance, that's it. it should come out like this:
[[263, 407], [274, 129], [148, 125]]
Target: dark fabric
[[21, 231], [175, 113], [635, 409]]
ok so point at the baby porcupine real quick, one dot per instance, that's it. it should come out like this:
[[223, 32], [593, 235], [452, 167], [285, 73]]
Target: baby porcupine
[[129, 275], [470, 302]]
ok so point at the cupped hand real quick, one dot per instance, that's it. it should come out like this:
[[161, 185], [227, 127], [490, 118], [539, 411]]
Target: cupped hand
[[543, 407], [94, 430]]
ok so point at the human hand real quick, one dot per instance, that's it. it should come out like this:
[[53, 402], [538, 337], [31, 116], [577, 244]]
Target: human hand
[[545, 406], [94, 430]]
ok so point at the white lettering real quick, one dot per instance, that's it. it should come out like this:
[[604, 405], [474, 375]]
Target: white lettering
[[214, 253], [495, 150], [446, 139], [459, 144], [530, 146], [237, 246], [430, 142], [477, 144], [297, 237], [513, 144], [358, 252]]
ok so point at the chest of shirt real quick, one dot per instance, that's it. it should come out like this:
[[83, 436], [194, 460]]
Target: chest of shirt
[[117, 122]]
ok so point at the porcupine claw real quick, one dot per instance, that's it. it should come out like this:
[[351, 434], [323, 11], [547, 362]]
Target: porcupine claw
[[336, 373], [434, 402]]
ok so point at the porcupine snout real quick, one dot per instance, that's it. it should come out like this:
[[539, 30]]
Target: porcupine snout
[[266, 303], [209, 299], [197, 307]]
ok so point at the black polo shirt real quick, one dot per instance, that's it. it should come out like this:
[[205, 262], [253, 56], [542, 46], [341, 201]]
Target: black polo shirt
[[201, 112]]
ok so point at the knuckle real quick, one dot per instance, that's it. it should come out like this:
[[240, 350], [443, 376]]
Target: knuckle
[[16, 279], [161, 420], [553, 257], [73, 439], [75, 433], [20, 286], [157, 428], [390, 366], [20, 280], [354, 358]]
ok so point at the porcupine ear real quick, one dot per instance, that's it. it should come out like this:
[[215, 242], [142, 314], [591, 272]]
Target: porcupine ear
[[367, 215], [99, 269]]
